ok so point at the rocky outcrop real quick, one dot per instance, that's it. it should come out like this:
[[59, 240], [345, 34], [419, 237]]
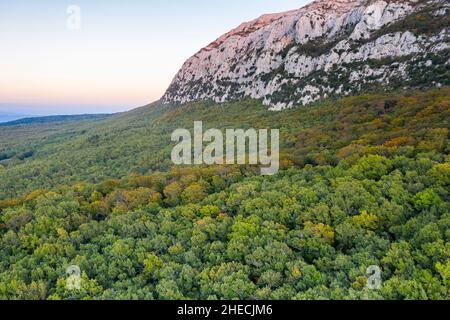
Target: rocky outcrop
[[327, 48]]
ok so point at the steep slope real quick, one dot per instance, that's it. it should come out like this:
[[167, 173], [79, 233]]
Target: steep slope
[[327, 48]]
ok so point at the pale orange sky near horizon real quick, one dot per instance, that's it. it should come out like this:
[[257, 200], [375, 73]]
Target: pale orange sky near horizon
[[124, 56]]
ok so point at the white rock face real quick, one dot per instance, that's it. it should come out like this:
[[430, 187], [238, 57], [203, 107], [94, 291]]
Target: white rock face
[[330, 47]]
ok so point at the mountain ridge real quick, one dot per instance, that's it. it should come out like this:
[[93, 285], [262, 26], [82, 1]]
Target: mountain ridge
[[327, 48]]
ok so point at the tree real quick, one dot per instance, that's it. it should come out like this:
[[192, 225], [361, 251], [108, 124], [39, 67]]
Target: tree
[[426, 199], [194, 193], [152, 264]]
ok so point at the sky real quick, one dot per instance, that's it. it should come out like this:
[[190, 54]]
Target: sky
[[112, 56]]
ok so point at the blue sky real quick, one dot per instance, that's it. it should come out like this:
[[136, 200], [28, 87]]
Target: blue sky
[[124, 55]]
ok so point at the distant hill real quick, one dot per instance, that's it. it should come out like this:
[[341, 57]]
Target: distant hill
[[364, 181], [7, 117], [51, 119], [325, 49]]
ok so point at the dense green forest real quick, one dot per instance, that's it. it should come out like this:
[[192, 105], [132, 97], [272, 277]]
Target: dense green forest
[[41, 156], [364, 181]]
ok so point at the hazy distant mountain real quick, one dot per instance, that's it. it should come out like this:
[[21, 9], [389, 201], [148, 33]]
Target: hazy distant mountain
[[327, 48], [6, 117], [358, 211]]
